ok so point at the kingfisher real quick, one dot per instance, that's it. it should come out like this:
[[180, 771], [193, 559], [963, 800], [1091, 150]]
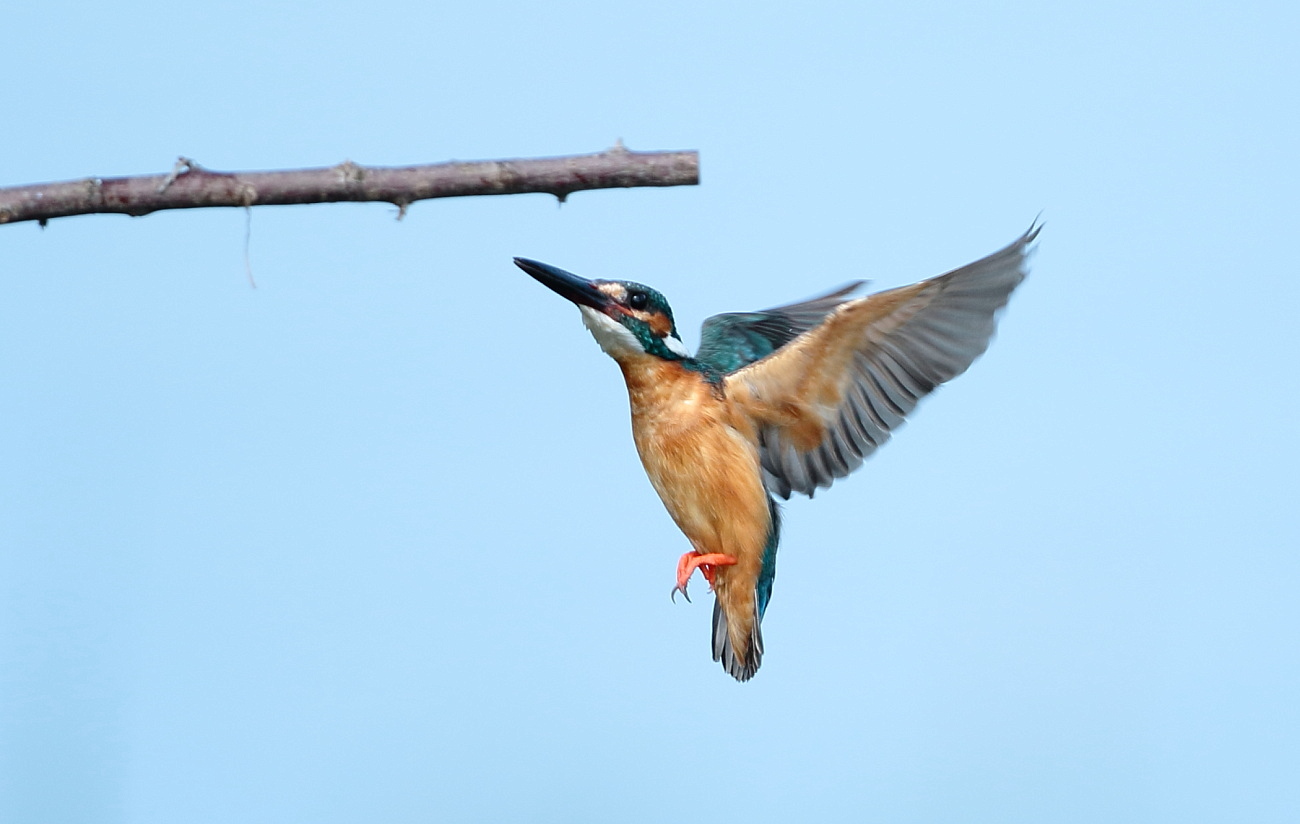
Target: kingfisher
[[775, 402]]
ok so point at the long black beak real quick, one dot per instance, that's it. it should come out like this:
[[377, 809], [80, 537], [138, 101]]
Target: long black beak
[[566, 284]]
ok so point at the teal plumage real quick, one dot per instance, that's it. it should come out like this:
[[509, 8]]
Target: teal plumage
[[736, 339]]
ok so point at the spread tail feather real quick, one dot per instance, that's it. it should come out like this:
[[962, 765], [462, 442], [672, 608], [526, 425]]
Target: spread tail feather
[[740, 660]]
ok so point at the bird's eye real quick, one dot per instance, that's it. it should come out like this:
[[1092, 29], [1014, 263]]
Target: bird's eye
[[637, 300]]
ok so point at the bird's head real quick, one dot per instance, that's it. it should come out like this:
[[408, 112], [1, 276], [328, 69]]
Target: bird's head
[[627, 319]]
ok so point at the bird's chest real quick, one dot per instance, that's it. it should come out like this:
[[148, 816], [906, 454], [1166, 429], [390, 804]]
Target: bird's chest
[[701, 459]]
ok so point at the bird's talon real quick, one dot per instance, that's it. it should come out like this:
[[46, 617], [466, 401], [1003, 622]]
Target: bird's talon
[[683, 591], [705, 563]]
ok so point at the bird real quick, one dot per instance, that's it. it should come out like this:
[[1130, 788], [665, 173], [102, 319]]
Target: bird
[[775, 402]]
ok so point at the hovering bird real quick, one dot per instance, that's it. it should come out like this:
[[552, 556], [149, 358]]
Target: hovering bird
[[774, 402]]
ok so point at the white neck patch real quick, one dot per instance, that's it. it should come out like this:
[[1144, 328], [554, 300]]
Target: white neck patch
[[675, 346]]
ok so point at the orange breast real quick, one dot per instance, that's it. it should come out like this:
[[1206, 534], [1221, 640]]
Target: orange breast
[[702, 458]]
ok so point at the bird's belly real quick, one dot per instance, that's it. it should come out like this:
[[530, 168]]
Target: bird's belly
[[709, 479]]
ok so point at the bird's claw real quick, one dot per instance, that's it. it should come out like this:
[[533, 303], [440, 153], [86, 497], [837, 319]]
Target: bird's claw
[[705, 563]]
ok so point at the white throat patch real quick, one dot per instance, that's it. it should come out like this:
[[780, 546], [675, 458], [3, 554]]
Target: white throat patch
[[610, 334], [614, 338]]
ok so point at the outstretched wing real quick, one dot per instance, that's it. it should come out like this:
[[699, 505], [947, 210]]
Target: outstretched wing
[[736, 339], [827, 398]]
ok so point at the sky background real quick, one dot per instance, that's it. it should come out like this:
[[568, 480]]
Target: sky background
[[371, 542]]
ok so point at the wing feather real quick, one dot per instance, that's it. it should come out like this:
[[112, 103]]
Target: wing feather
[[831, 395], [735, 339]]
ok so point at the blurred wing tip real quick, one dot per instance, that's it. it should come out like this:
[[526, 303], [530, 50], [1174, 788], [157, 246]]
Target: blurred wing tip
[[1031, 234]]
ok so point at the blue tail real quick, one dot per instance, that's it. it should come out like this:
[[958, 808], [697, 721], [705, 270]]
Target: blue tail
[[768, 574]]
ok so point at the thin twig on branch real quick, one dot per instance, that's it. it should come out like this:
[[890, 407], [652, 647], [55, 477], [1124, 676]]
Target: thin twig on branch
[[190, 186]]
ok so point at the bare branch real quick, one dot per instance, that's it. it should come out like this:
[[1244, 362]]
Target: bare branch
[[190, 186]]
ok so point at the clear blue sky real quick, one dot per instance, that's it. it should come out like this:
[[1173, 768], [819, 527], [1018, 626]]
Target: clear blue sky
[[370, 542]]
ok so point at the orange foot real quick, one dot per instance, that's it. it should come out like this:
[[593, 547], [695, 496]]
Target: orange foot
[[705, 562]]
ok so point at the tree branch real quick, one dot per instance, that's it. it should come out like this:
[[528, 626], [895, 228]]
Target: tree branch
[[190, 186]]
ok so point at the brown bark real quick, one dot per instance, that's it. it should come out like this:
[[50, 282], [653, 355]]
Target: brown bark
[[190, 186]]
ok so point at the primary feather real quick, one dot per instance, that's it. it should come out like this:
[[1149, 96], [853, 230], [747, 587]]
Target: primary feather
[[826, 398]]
